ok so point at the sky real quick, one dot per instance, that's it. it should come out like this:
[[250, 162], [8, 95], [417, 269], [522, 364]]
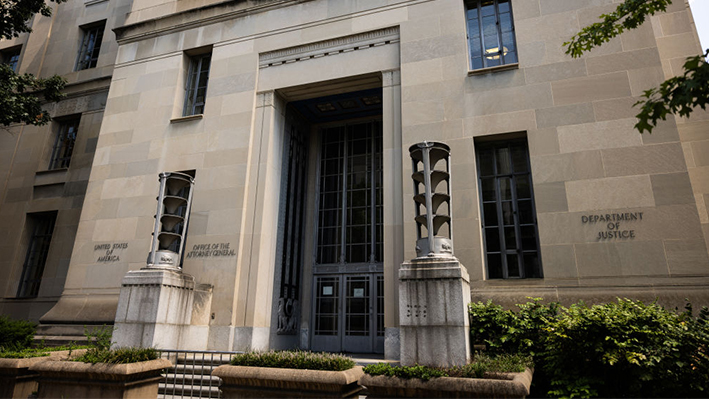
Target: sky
[[700, 11]]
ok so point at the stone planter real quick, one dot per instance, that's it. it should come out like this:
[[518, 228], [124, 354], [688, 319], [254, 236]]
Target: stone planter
[[17, 381], [64, 379], [266, 382], [502, 385]]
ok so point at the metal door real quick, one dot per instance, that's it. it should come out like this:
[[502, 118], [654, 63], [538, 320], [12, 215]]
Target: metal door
[[349, 313]]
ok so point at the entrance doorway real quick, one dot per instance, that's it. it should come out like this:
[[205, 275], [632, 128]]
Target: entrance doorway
[[341, 250], [348, 311]]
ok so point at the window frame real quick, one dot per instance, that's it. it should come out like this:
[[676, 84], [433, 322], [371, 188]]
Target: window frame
[[90, 45], [63, 149], [503, 63], [194, 83], [11, 56], [40, 227], [519, 251]]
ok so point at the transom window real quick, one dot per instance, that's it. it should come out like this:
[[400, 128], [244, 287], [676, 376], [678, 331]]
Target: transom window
[[491, 37], [90, 46], [196, 89], [508, 215], [350, 214]]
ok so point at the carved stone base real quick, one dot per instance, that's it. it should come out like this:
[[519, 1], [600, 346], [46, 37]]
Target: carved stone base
[[154, 309], [433, 298]]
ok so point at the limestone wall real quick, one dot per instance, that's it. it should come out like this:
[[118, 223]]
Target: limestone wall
[[587, 160]]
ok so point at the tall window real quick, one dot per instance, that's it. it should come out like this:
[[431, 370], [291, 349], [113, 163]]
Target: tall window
[[196, 89], [508, 213], [491, 36], [350, 215], [11, 57], [64, 144], [90, 46], [41, 226]]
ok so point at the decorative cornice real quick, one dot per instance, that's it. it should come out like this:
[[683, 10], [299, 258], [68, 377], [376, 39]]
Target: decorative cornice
[[324, 48], [192, 18]]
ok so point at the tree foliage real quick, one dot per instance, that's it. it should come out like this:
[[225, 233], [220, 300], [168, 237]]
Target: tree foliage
[[679, 95], [21, 96], [628, 15]]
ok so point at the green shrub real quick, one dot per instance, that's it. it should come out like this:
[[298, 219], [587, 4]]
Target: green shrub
[[421, 372], [627, 349], [99, 337], [505, 331], [294, 360], [481, 365], [117, 356], [16, 335], [37, 352]]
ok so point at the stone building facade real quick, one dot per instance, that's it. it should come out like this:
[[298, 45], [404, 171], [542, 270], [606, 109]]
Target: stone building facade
[[295, 117]]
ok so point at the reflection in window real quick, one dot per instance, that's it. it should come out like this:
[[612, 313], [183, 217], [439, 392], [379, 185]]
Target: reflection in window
[[491, 37]]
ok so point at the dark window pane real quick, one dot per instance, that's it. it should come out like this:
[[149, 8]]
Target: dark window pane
[[510, 238], [487, 162], [503, 6], [488, 186], [526, 215], [508, 215], [490, 213], [505, 188], [494, 266], [492, 239], [512, 266], [523, 188], [529, 238], [503, 161]]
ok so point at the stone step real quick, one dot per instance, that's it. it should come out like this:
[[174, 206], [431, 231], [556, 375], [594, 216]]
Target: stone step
[[179, 390], [189, 379]]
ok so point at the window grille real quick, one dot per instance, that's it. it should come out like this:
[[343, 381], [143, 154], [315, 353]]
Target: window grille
[[42, 226], [491, 36], [509, 218], [64, 144], [90, 47], [196, 89], [350, 214]]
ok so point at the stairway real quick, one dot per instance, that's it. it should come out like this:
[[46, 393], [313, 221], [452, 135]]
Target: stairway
[[191, 375]]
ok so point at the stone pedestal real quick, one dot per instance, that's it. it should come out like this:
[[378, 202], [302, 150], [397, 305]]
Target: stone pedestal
[[155, 310], [433, 298]]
